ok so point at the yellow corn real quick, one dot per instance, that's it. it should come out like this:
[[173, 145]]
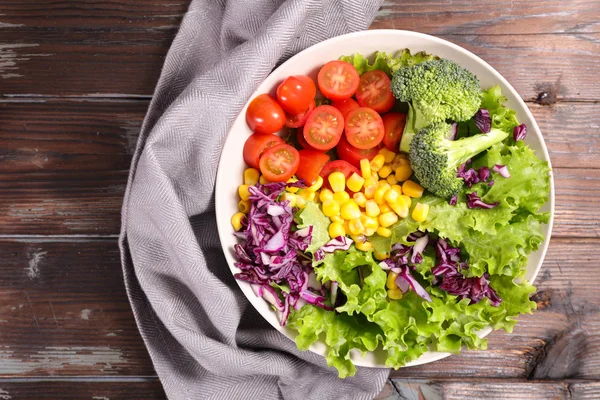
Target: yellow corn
[[341, 197], [307, 195], [390, 282], [400, 208], [391, 196], [399, 159], [292, 189], [365, 168], [374, 176], [370, 190], [369, 232], [355, 182], [300, 202], [358, 238], [236, 220], [383, 184], [379, 193], [316, 184], [262, 180], [369, 222], [244, 192], [336, 229], [387, 154], [420, 212], [385, 232], [356, 227], [403, 172], [371, 208], [251, 176], [397, 188], [407, 200], [360, 199], [337, 218], [350, 210], [289, 197], [377, 162], [331, 208], [380, 256], [391, 180], [385, 171], [337, 180], [364, 246], [387, 219], [394, 294], [244, 206], [383, 208], [325, 195], [412, 189]]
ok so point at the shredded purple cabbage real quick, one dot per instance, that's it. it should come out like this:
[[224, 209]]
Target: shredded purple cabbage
[[453, 200], [338, 243], [470, 176], [502, 170], [520, 132], [484, 174], [474, 201], [453, 131], [483, 120]]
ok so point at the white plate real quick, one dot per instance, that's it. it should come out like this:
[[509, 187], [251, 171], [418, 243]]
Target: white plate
[[308, 62]]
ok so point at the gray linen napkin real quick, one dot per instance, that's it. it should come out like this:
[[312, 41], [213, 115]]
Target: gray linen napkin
[[205, 339]]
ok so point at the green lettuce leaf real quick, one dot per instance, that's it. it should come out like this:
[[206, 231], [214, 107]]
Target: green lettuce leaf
[[502, 117], [389, 63], [312, 215]]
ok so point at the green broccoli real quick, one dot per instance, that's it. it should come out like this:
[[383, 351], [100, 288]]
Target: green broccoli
[[436, 91], [435, 158]]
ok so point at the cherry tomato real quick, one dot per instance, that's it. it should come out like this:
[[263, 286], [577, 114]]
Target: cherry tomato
[[256, 145], [345, 106], [337, 166], [301, 141], [351, 154], [279, 163], [311, 164], [264, 115], [364, 128], [324, 127], [374, 91], [298, 120], [296, 93], [338, 80], [393, 124]]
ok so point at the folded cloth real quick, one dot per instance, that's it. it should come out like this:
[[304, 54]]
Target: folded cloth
[[206, 341]]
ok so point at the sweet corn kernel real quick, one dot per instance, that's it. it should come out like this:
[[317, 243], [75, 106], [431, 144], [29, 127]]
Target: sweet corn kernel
[[307, 195], [397, 188], [399, 159], [337, 218], [370, 190], [395, 294], [337, 180], [289, 197], [356, 227], [385, 171], [400, 208], [379, 193], [369, 222], [292, 189], [244, 206], [372, 208], [336, 229], [391, 196], [341, 197], [251, 176], [300, 202], [331, 208], [387, 154], [403, 172], [374, 176], [390, 282], [316, 184], [355, 182], [412, 189], [420, 212], [377, 162], [381, 256], [360, 199], [365, 168], [369, 231], [325, 194], [359, 238], [350, 210], [391, 180], [263, 181], [244, 192], [383, 184], [407, 200], [387, 219], [385, 232], [364, 246], [383, 208], [236, 220]]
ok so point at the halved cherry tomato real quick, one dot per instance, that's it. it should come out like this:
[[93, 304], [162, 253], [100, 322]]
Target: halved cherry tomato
[[364, 128], [256, 145], [296, 93], [345, 106], [351, 154], [264, 115], [311, 164], [324, 127], [374, 91], [279, 163], [298, 120], [337, 166], [393, 124], [301, 141], [338, 80]]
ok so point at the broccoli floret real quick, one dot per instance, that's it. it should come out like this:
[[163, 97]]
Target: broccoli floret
[[436, 91], [435, 159]]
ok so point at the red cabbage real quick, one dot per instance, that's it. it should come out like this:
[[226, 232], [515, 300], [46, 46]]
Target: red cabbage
[[484, 173], [337, 243], [470, 176], [502, 170], [483, 120], [453, 131], [453, 200], [474, 201], [520, 132]]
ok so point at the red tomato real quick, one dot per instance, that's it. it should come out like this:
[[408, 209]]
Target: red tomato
[[296, 93], [298, 120], [345, 106], [279, 163], [338, 80], [311, 164], [324, 127], [351, 154], [256, 145], [364, 128], [264, 115], [337, 166], [374, 91], [301, 141], [393, 124]]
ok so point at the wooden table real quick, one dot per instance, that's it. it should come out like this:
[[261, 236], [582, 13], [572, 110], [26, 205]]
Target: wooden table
[[76, 78]]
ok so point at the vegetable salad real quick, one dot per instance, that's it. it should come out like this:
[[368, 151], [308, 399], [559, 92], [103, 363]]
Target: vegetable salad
[[390, 204]]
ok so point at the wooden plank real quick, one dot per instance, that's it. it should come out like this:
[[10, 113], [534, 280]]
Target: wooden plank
[[146, 389]]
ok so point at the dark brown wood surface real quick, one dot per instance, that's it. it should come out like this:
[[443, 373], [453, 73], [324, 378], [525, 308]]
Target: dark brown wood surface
[[76, 79]]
